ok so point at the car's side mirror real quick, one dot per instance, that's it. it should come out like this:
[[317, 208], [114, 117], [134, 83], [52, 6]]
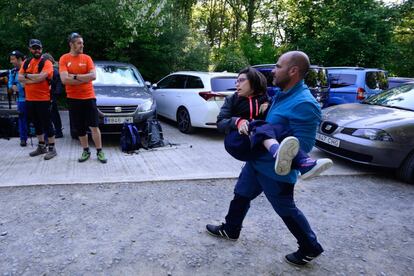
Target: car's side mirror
[[148, 84], [154, 86]]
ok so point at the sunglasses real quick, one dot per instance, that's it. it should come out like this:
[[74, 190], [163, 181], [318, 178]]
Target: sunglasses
[[36, 47], [240, 80]]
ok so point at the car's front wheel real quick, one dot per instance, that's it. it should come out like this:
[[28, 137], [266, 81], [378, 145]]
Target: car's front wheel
[[406, 171], [184, 121]]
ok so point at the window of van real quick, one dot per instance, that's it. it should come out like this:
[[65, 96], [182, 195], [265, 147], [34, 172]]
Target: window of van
[[342, 80]]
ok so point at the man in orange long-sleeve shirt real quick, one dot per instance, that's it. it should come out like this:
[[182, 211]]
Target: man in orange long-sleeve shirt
[[77, 72], [34, 75]]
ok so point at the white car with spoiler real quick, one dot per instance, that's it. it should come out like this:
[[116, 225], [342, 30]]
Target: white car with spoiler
[[193, 99]]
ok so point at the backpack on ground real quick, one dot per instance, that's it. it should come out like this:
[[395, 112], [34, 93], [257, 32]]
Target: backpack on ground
[[130, 138], [8, 127], [154, 137]]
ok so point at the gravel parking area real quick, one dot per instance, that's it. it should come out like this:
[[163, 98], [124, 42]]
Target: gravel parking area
[[365, 223]]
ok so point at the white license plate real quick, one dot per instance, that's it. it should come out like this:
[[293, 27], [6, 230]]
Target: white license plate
[[117, 120], [328, 140]]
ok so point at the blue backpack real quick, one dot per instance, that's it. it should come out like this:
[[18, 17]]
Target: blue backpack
[[130, 138]]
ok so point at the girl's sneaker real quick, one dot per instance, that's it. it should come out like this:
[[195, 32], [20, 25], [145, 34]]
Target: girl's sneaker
[[311, 168], [288, 149]]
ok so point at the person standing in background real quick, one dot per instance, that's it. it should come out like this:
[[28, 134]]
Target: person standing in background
[[35, 74], [77, 71], [56, 88], [16, 59]]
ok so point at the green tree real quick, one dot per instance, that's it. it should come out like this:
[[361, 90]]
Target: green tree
[[401, 62], [340, 32]]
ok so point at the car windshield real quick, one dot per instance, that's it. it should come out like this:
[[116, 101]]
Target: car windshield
[[342, 80], [399, 97], [117, 75], [223, 84]]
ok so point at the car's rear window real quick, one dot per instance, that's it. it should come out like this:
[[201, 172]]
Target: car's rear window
[[342, 80], [223, 83], [376, 80], [316, 77], [268, 74], [117, 75]]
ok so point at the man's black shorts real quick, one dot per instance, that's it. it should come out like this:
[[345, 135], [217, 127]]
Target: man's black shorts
[[83, 114], [38, 113]]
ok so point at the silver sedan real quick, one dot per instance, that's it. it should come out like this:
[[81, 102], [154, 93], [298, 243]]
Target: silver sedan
[[378, 131]]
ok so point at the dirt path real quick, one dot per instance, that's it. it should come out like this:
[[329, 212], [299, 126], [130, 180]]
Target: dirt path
[[366, 225]]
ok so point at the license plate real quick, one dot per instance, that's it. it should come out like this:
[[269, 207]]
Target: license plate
[[328, 140], [117, 120]]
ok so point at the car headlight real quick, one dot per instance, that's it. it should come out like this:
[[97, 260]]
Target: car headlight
[[373, 134], [145, 106]]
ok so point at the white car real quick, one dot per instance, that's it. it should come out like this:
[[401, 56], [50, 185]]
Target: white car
[[193, 99]]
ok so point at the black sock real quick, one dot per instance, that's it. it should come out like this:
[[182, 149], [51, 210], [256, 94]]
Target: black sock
[[42, 143], [51, 146], [86, 149], [98, 150]]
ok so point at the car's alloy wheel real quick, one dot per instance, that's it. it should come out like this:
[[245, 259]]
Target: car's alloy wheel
[[184, 121]]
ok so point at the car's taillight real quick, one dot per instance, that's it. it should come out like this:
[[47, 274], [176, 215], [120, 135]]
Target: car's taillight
[[360, 93], [211, 96]]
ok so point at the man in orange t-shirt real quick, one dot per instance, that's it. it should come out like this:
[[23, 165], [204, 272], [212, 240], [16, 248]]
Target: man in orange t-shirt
[[77, 72], [34, 75]]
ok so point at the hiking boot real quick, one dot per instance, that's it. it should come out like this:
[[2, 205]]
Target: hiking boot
[[221, 232], [101, 157], [50, 154], [300, 258], [23, 143], [85, 156], [285, 154], [311, 168], [41, 149]]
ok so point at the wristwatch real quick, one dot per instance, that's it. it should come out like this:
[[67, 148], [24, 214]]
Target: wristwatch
[[75, 77]]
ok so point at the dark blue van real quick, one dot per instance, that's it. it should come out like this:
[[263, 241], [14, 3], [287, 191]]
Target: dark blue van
[[316, 80], [355, 84]]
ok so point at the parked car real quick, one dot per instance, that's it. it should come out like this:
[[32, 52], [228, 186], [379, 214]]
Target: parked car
[[355, 84], [379, 131], [398, 81], [316, 80], [193, 99], [121, 96]]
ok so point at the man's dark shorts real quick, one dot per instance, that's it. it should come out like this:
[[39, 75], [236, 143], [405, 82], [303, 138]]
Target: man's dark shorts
[[83, 114], [38, 113]]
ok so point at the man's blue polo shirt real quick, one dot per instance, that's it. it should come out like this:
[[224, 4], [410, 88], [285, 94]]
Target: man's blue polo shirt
[[299, 111]]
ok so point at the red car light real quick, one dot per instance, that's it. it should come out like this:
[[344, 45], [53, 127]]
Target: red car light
[[211, 96], [360, 93]]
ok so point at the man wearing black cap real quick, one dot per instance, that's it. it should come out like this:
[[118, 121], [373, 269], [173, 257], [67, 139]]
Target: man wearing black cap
[[34, 74], [16, 59]]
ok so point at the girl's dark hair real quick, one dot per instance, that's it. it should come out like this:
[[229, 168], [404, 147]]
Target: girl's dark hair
[[257, 80]]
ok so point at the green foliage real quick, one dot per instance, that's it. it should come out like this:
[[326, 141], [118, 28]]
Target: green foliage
[[401, 62], [231, 59], [341, 32], [162, 36], [258, 51], [154, 35]]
